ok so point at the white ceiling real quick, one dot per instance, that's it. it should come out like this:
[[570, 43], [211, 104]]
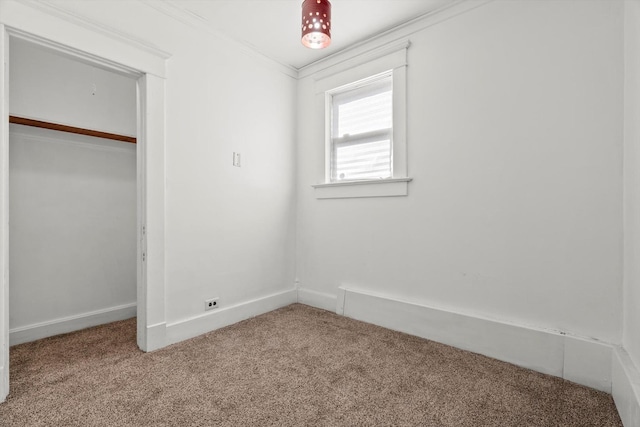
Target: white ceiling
[[271, 27]]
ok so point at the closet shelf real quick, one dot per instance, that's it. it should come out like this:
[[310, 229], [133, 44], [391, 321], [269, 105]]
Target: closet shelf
[[70, 129]]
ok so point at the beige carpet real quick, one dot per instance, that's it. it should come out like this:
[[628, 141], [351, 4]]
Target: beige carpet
[[292, 367]]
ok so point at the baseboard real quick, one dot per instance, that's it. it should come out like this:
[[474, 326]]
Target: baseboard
[[71, 323], [626, 388], [584, 361], [587, 362], [221, 317], [156, 337], [4, 387], [317, 299]]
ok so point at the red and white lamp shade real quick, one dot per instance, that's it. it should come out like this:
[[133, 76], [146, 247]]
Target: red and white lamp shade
[[316, 23]]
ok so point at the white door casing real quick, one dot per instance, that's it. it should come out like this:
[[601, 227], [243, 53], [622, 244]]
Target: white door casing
[[85, 44]]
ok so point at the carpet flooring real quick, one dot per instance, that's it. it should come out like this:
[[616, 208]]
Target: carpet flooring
[[295, 366]]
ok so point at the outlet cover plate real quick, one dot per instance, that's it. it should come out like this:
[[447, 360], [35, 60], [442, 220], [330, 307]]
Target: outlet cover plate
[[211, 304]]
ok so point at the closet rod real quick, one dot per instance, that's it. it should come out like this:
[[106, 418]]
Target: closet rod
[[70, 129]]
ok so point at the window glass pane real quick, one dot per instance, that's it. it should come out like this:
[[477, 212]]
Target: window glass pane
[[365, 109], [366, 160]]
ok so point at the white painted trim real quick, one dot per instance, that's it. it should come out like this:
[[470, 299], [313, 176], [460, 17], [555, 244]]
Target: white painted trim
[[354, 189], [156, 336], [626, 388], [385, 57], [587, 362], [80, 42], [225, 316], [342, 295], [143, 323], [400, 111], [56, 9], [4, 373], [73, 53], [84, 42], [529, 348], [581, 360], [4, 213], [151, 210], [67, 324], [369, 182], [359, 71], [363, 68], [317, 299], [447, 12]]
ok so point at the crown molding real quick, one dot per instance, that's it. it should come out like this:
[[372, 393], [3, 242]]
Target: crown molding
[[58, 11], [175, 10], [402, 31]]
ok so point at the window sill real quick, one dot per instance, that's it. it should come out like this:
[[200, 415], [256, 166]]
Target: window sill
[[392, 187]]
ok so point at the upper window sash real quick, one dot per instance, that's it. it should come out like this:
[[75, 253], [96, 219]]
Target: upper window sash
[[342, 97]]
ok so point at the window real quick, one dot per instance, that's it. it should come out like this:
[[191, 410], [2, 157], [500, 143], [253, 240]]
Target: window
[[362, 130], [361, 117]]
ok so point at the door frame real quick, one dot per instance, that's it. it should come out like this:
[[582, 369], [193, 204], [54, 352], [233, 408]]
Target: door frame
[[151, 324]]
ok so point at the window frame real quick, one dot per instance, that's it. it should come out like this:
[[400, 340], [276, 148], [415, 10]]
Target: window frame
[[389, 59]]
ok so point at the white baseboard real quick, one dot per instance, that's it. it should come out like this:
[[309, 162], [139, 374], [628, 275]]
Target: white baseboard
[[156, 337], [221, 317], [71, 323], [4, 387], [626, 388], [587, 362], [584, 361], [317, 299]]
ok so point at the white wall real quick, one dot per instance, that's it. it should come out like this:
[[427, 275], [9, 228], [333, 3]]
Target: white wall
[[631, 325], [73, 225], [515, 147], [626, 364], [229, 232], [515, 143], [48, 86], [72, 197]]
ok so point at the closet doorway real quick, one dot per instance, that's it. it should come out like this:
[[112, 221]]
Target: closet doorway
[[148, 66], [72, 194]]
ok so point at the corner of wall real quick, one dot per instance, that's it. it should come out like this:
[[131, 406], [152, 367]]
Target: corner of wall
[[317, 299], [198, 325]]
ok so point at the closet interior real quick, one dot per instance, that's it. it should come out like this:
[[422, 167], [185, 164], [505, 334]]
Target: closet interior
[[72, 194]]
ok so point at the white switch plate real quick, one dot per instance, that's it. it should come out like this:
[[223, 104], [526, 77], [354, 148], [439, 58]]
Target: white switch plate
[[236, 159]]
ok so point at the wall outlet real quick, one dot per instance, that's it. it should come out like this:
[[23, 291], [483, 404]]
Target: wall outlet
[[211, 304]]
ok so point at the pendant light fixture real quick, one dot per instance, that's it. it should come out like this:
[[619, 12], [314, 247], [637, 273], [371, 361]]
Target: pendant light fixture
[[316, 23]]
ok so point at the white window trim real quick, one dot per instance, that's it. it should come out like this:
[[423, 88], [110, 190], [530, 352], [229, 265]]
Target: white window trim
[[390, 57], [370, 188]]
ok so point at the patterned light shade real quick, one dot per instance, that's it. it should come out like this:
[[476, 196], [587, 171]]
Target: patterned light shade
[[316, 23]]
